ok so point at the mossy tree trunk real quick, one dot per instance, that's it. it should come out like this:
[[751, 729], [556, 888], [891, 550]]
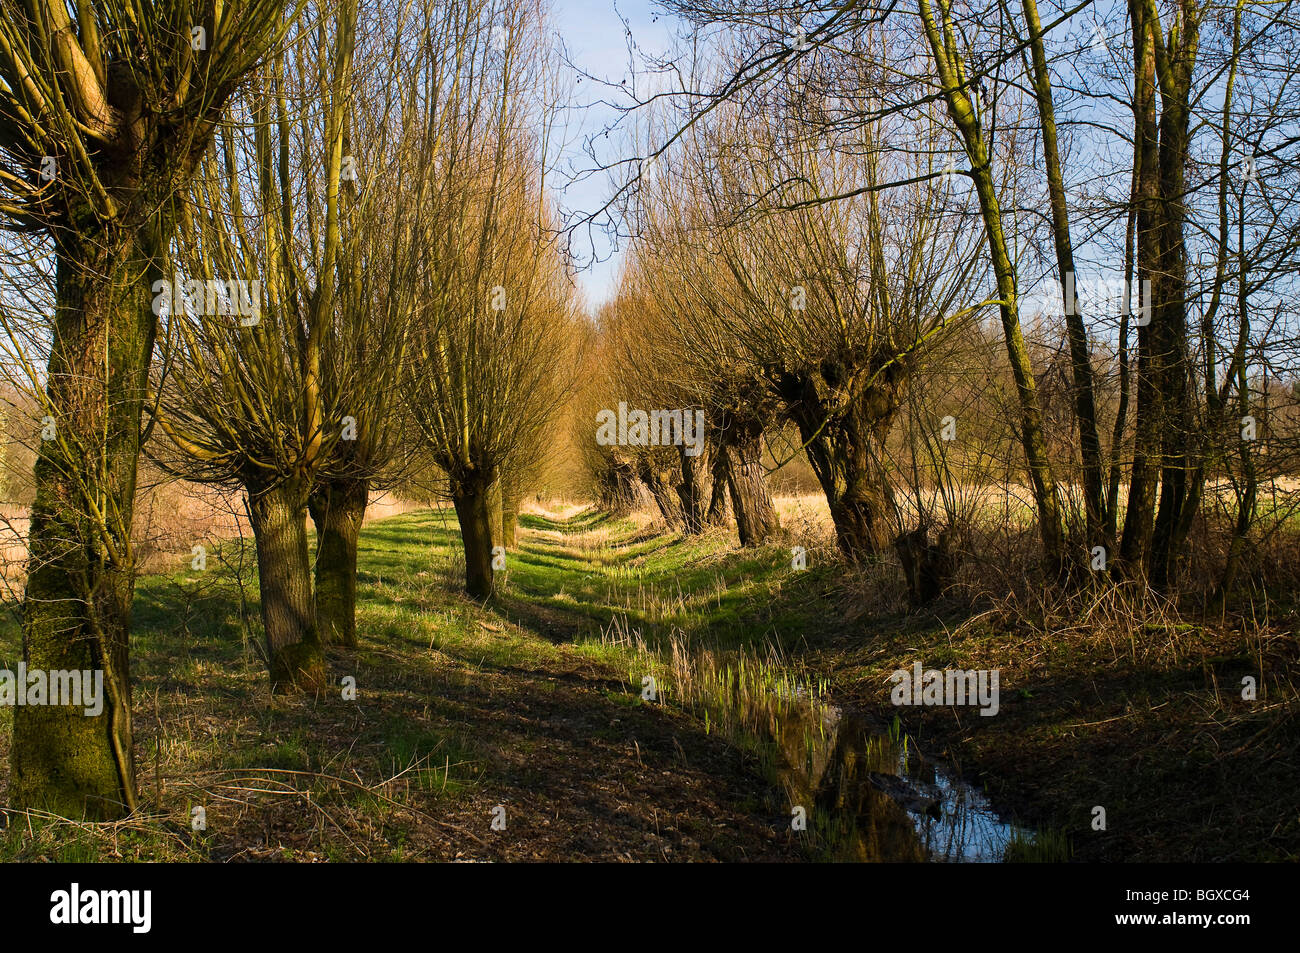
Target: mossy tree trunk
[[1085, 406], [338, 508], [950, 65], [80, 572], [278, 515], [1168, 438], [126, 116]]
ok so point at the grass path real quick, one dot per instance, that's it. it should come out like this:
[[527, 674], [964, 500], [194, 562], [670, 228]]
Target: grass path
[[459, 709], [532, 703]]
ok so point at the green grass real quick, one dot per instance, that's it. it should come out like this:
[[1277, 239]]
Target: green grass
[[534, 701], [439, 733], [1044, 847]]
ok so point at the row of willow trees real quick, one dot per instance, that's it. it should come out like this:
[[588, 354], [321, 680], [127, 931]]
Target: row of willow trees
[[893, 229], [298, 249]]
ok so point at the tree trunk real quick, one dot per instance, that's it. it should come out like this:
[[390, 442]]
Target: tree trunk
[[1165, 427], [278, 515], [1179, 435], [510, 520], [80, 571], [472, 500], [717, 513], [1046, 495], [859, 515], [1121, 411], [1085, 409], [512, 495], [338, 508], [691, 491], [742, 445], [1139, 514], [846, 454], [656, 480], [617, 492]]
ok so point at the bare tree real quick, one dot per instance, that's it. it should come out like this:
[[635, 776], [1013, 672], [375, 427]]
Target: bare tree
[[244, 399], [495, 306], [105, 109], [834, 300]]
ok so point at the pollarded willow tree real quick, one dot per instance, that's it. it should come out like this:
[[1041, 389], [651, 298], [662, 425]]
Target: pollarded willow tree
[[611, 469], [1145, 145], [364, 341], [839, 286], [105, 109], [260, 393], [364, 353], [687, 293], [651, 326], [494, 309]]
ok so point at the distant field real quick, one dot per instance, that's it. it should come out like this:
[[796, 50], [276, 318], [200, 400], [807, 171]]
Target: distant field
[[169, 521]]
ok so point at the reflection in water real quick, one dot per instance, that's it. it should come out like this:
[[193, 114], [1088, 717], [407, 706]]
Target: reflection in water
[[874, 798], [867, 794]]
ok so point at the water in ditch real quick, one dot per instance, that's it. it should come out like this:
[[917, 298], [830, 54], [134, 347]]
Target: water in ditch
[[870, 796]]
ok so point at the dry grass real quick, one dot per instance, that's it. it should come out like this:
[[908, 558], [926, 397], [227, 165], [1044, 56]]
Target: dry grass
[[171, 518], [1112, 694]]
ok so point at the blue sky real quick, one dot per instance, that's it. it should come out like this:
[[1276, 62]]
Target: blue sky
[[594, 37]]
